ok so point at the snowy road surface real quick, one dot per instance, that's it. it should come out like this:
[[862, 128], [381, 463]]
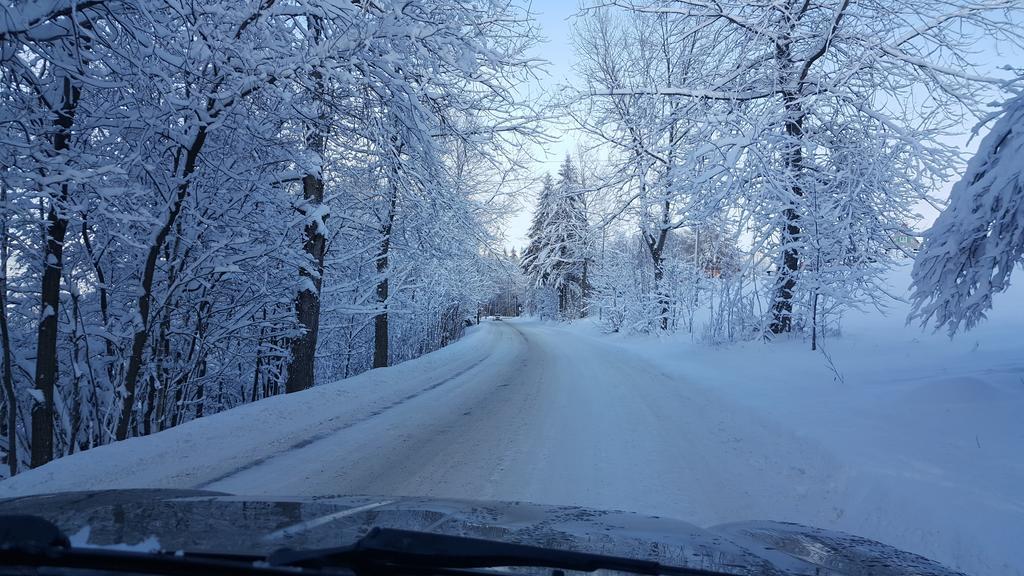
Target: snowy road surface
[[521, 410], [556, 419], [517, 411]]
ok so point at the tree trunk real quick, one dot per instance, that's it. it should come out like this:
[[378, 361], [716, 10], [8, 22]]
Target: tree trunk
[[814, 322], [101, 287], [12, 398], [663, 300], [380, 322], [307, 301], [53, 254], [74, 405], [131, 377], [782, 308], [301, 369], [656, 247], [585, 289]]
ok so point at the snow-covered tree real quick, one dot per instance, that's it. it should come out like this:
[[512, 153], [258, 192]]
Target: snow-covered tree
[[811, 125], [195, 191], [557, 256], [660, 157], [972, 249]]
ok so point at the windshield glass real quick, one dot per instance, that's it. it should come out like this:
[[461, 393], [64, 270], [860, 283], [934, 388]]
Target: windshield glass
[[713, 262]]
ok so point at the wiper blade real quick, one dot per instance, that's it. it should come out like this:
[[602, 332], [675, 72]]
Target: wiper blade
[[163, 563], [30, 541], [387, 548]]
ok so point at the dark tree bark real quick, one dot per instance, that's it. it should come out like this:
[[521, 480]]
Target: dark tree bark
[[214, 108], [793, 77], [380, 321], [258, 369], [656, 247], [301, 369], [101, 287], [53, 255], [782, 307], [307, 301], [8, 377], [148, 274], [204, 310]]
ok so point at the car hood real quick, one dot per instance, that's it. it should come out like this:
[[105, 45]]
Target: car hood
[[199, 520]]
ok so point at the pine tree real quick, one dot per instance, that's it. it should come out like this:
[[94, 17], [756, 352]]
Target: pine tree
[[533, 264], [557, 255]]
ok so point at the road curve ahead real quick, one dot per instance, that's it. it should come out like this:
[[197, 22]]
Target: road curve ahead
[[523, 410], [550, 416], [516, 410]]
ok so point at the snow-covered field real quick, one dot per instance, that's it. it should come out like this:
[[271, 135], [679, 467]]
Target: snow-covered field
[[918, 444]]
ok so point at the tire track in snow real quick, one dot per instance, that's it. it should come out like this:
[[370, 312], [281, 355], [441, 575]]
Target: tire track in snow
[[351, 423]]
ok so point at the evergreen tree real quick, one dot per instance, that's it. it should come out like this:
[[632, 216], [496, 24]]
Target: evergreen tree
[[556, 258]]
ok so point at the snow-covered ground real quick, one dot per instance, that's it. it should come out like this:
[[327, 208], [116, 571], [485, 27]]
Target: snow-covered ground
[[925, 434], [918, 445]]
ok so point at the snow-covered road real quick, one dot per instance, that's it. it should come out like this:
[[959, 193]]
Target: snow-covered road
[[519, 410], [523, 410], [553, 417]]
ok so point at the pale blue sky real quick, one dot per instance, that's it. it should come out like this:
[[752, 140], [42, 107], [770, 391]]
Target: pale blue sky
[[554, 18]]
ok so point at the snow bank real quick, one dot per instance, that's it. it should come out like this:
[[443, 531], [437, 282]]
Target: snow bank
[[203, 451]]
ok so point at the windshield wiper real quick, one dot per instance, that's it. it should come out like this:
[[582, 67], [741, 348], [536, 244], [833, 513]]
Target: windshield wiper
[[388, 548], [30, 541]]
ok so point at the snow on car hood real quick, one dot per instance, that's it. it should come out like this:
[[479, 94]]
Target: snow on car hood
[[199, 520]]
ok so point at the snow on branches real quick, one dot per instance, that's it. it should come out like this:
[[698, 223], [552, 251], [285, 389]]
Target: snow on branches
[[978, 240], [808, 128], [194, 191], [557, 257]]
